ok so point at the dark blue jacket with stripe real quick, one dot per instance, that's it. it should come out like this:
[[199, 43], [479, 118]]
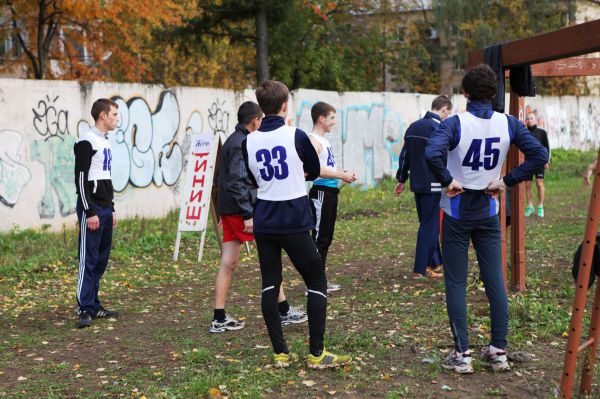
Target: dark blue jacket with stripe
[[412, 160]]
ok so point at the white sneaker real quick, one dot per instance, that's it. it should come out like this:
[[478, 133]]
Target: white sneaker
[[497, 361], [229, 324], [333, 287], [462, 364], [293, 316]]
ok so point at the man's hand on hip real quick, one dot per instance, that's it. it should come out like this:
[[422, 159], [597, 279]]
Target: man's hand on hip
[[495, 188], [453, 189]]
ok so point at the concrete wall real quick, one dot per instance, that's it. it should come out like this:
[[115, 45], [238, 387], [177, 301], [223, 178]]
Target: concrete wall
[[40, 121]]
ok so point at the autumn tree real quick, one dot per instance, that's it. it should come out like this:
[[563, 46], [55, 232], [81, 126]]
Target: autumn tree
[[468, 25], [242, 22], [88, 40]]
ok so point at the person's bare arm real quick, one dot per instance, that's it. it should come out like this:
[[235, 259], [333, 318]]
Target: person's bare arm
[[316, 144], [587, 175], [331, 173]]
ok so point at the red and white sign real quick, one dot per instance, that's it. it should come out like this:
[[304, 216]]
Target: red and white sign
[[198, 183]]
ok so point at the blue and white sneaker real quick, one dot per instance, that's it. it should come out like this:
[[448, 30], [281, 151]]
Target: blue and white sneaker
[[459, 363], [293, 316]]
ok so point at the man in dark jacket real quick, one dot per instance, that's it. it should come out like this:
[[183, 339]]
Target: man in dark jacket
[[235, 203], [423, 184], [542, 137]]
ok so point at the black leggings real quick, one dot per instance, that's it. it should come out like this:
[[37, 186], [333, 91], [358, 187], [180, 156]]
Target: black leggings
[[324, 202], [304, 255]]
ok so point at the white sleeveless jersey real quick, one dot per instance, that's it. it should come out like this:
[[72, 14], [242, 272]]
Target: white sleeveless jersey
[[101, 160], [326, 159], [275, 164], [477, 159]]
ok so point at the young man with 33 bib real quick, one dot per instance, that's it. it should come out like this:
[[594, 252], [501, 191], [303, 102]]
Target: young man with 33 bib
[[279, 158]]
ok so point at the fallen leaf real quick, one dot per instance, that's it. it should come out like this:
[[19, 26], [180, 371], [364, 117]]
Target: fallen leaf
[[215, 393], [308, 383], [21, 378]]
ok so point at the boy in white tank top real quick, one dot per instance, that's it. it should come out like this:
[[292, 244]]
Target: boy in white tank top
[[324, 192]]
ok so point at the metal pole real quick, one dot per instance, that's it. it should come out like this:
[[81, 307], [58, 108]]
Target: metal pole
[[177, 241], [591, 230], [594, 333]]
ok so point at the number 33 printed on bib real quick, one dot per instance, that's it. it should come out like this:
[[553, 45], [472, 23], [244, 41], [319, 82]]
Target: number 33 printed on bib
[[273, 162]]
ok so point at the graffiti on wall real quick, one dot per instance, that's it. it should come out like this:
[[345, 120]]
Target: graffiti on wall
[[48, 121], [568, 127], [144, 145], [13, 174], [366, 138], [55, 152], [218, 118]]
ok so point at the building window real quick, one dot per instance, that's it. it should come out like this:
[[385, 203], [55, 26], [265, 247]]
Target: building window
[[400, 30]]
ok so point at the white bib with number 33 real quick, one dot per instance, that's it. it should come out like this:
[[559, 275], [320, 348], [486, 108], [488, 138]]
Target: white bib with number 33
[[477, 159], [275, 164]]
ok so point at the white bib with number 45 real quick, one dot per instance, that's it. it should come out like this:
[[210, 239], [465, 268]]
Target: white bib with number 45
[[477, 159]]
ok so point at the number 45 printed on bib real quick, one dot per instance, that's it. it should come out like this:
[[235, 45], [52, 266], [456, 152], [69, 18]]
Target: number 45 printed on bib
[[491, 155]]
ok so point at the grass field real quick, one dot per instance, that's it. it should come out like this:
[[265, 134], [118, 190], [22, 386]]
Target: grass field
[[395, 327]]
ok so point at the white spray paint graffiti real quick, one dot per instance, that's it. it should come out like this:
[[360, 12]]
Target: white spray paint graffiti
[[13, 175]]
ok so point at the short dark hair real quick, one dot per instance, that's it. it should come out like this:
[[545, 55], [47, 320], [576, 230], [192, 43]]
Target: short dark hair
[[102, 105], [248, 111], [320, 109], [480, 83], [440, 102], [271, 94]]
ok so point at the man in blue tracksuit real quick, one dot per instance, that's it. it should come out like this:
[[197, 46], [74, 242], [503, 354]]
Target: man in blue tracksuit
[[95, 209], [465, 153], [425, 186]]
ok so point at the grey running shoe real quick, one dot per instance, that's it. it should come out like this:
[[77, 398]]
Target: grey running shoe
[[459, 363], [333, 287], [497, 361], [293, 316], [229, 324]]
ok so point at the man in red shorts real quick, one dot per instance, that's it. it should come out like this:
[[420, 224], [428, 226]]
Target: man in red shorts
[[235, 202]]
